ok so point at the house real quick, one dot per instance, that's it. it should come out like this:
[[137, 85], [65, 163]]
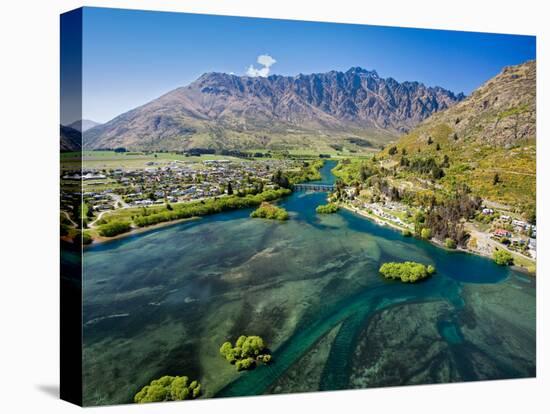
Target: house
[[505, 218], [487, 211], [519, 223], [502, 233]]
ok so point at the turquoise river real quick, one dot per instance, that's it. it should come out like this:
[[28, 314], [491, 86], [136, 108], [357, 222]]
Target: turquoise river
[[163, 301]]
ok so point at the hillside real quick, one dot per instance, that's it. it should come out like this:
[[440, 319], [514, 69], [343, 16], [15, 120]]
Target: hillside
[[355, 109], [83, 125], [489, 139], [71, 139]]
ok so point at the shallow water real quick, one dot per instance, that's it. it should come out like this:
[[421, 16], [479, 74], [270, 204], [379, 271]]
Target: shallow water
[[162, 302]]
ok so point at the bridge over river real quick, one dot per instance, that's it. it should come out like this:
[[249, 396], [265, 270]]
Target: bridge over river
[[321, 188]]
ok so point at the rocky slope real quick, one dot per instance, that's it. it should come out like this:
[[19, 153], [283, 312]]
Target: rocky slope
[[222, 110]]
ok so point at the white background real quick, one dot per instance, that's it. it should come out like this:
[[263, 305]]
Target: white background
[[29, 136]]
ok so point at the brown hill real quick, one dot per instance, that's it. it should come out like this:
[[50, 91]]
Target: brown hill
[[491, 133]]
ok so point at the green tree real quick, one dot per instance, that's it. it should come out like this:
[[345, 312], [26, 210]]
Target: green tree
[[408, 272], [392, 150], [248, 350], [168, 388], [229, 189], [450, 243], [503, 258], [496, 179], [426, 233]]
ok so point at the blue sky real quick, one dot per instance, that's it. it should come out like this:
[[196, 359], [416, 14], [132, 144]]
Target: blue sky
[[131, 57]]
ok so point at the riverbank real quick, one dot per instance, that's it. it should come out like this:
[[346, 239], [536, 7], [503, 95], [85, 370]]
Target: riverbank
[[373, 217], [482, 251], [97, 239]]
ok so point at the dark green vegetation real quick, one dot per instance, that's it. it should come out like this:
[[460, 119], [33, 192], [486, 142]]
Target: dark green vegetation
[[408, 272], [169, 388], [503, 258], [327, 208], [114, 228], [248, 350], [269, 211]]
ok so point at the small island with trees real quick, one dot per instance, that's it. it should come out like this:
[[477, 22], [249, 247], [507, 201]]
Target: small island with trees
[[269, 211], [247, 352], [407, 272], [327, 208], [169, 388]]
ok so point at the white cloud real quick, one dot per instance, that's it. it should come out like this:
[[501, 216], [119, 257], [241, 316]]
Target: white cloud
[[266, 61]]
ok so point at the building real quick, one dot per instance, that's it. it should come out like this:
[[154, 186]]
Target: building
[[502, 233]]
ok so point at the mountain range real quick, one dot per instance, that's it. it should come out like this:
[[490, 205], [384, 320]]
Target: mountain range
[[356, 108]]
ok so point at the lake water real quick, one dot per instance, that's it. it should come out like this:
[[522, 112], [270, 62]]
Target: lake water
[[163, 302]]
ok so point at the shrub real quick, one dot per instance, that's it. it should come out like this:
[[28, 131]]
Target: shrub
[[86, 238], [245, 363], [247, 351], [503, 258], [450, 243], [408, 272], [327, 208], [114, 228], [269, 211], [168, 388], [407, 233], [426, 233]]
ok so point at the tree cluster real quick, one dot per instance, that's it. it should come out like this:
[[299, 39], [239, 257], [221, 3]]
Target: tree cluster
[[114, 228], [206, 207], [503, 258], [269, 211], [247, 352], [407, 272], [169, 388], [445, 219], [327, 208]]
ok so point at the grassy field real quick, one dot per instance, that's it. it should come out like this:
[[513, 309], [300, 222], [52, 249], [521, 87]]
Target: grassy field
[[129, 160], [476, 165]]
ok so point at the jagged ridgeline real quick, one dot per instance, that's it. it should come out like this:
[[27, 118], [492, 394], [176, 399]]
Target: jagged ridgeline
[[488, 139], [356, 108]]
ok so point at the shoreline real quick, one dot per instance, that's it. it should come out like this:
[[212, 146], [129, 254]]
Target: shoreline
[[437, 243], [138, 230]]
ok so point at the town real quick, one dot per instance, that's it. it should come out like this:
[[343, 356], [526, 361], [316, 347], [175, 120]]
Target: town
[[175, 182]]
